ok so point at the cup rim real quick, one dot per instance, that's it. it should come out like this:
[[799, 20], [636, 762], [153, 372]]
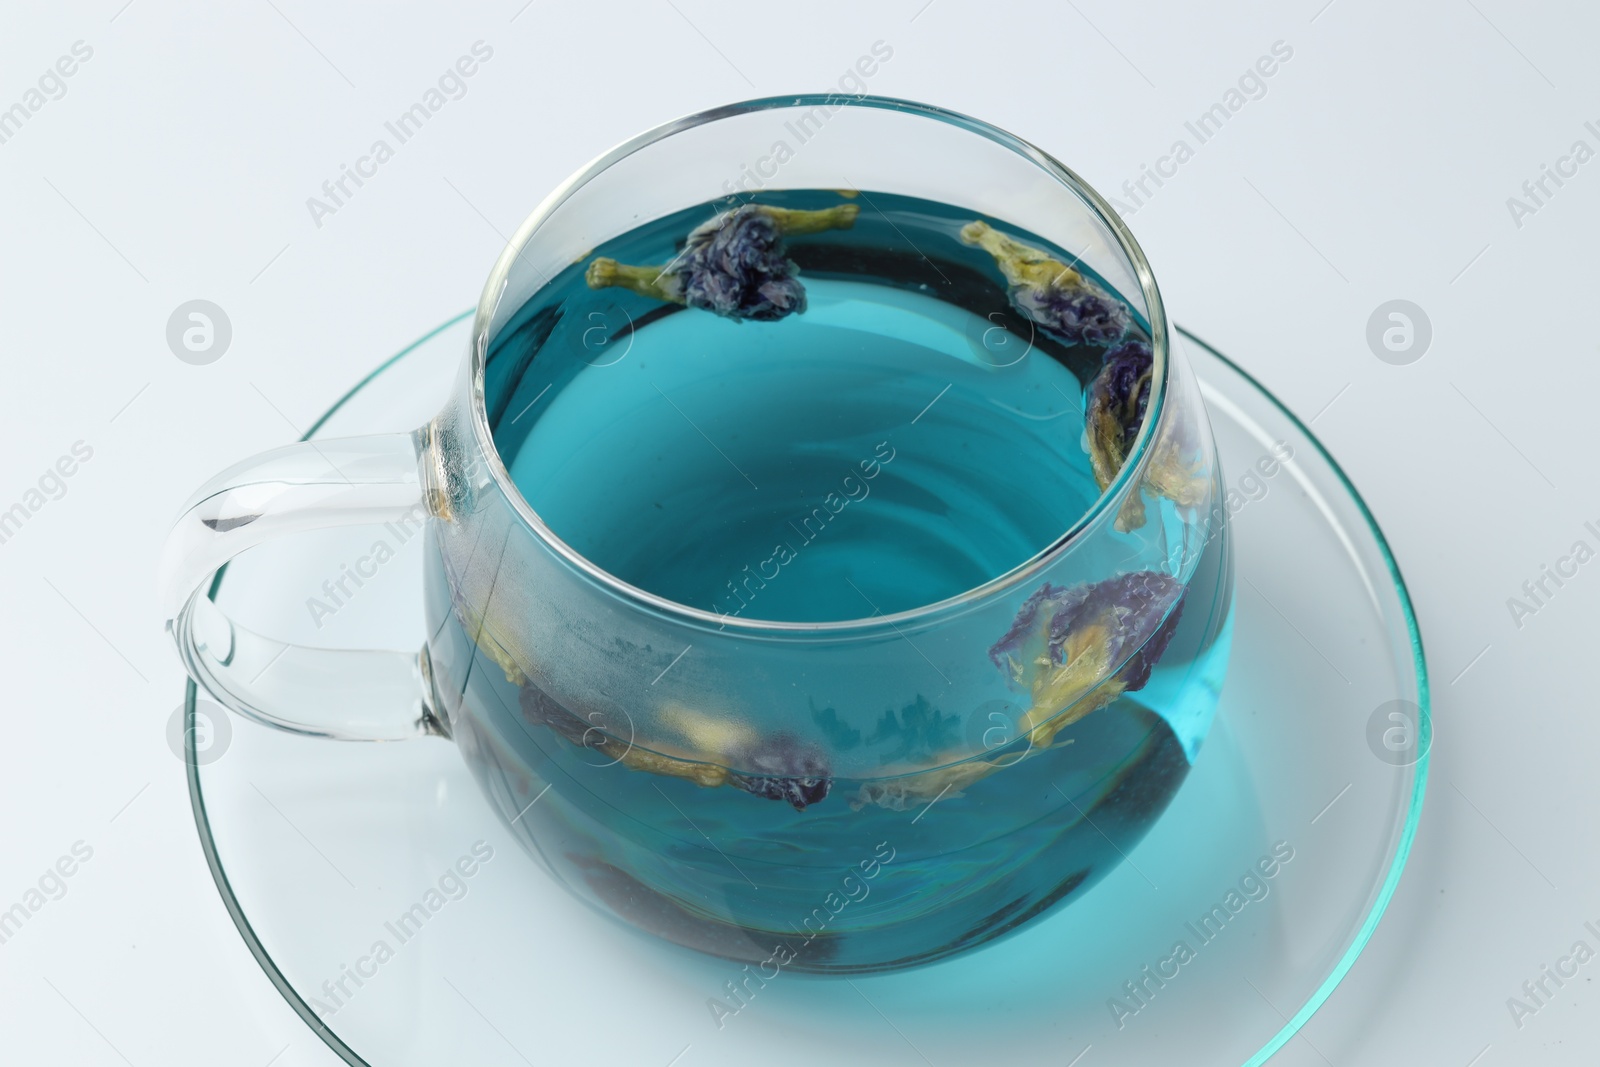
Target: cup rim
[[1111, 496]]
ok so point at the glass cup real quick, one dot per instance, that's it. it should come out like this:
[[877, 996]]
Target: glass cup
[[841, 796]]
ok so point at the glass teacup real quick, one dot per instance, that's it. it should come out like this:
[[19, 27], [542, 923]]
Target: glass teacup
[[731, 756]]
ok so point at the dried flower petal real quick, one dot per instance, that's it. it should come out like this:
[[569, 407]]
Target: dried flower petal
[[781, 767], [1074, 650], [1051, 293], [1027, 639], [1178, 469], [915, 790], [1118, 397], [733, 265], [1066, 642], [786, 769], [1139, 612]]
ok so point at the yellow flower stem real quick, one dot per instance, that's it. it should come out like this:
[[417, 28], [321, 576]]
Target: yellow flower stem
[[654, 282], [792, 222], [1020, 263]]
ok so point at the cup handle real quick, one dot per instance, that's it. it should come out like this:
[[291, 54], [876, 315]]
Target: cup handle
[[346, 694]]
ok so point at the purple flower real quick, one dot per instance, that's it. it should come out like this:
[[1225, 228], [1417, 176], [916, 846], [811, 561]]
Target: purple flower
[[735, 266], [1140, 611], [1011, 651], [1079, 313], [1133, 617], [784, 768], [1118, 397], [1049, 292]]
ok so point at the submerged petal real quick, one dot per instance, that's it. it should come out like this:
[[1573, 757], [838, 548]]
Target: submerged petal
[[915, 790], [781, 767], [1026, 640], [1118, 398], [784, 768], [1075, 649], [1134, 615]]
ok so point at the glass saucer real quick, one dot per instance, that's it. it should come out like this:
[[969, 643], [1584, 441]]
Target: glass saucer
[[344, 865]]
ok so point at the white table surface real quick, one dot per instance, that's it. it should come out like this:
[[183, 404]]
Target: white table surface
[[1377, 165]]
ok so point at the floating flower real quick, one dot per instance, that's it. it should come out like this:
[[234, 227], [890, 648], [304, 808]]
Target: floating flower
[[733, 265], [1118, 399], [1051, 293]]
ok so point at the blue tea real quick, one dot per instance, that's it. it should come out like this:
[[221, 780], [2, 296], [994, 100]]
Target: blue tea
[[823, 407]]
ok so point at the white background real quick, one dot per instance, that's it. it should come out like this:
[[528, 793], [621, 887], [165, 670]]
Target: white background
[[1377, 166]]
